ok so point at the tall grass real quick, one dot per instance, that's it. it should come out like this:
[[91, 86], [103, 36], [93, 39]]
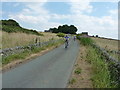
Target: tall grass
[[48, 36], [21, 39], [101, 74], [106, 43], [16, 39], [60, 34], [85, 41]]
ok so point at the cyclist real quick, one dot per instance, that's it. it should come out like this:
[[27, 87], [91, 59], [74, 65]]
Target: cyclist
[[74, 38], [66, 41]]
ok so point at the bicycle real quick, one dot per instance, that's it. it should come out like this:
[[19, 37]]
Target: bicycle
[[66, 44], [66, 41], [74, 38]]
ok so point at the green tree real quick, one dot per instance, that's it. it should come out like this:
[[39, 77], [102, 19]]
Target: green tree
[[64, 29], [54, 30]]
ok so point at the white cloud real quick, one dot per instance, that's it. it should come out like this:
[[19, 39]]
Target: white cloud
[[27, 19], [60, 17], [104, 26], [37, 17], [80, 6], [113, 12]]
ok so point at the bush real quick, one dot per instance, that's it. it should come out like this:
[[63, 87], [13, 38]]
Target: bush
[[78, 71], [86, 41], [60, 34], [96, 35], [72, 81]]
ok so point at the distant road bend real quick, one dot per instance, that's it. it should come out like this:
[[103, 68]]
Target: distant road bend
[[51, 70]]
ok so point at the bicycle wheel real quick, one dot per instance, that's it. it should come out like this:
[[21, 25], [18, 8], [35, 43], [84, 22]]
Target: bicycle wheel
[[66, 45]]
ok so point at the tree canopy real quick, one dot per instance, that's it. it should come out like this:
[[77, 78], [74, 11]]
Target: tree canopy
[[63, 29]]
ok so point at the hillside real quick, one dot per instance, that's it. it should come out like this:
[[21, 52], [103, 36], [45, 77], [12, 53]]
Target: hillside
[[11, 26]]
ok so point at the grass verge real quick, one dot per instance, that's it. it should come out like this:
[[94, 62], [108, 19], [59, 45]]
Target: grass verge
[[101, 74], [85, 41], [77, 71], [27, 53], [72, 81]]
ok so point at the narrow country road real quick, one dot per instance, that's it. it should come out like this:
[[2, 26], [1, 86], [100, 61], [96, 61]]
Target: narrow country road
[[51, 70]]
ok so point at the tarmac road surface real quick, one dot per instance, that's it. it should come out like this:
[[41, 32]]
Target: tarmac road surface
[[51, 70]]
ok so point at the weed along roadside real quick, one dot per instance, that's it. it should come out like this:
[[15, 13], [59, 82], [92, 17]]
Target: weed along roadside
[[28, 53], [103, 72], [82, 71], [104, 75]]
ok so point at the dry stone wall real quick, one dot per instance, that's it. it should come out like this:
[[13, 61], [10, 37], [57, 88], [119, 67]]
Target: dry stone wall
[[9, 51], [113, 64]]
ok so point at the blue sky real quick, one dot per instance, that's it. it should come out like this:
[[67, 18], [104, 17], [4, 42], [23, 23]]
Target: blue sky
[[58, 7], [102, 8], [99, 8], [94, 17]]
